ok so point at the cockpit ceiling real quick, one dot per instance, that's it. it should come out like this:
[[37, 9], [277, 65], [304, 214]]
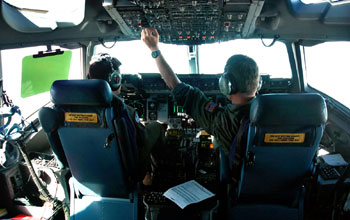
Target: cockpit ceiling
[[194, 22]]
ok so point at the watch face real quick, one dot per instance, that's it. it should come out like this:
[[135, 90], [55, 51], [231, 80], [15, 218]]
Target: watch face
[[155, 54]]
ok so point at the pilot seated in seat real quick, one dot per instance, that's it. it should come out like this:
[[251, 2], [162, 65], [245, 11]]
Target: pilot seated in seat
[[239, 83], [105, 67]]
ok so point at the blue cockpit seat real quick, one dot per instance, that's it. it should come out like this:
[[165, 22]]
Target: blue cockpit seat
[[283, 137], [90, 133]]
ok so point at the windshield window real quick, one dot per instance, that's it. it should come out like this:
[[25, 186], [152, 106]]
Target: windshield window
[[328, 69], [271, 60], [136, 57], [24, 81]]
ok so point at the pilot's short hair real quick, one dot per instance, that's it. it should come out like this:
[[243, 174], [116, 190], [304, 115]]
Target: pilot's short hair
[[100, 69], [244, 71]]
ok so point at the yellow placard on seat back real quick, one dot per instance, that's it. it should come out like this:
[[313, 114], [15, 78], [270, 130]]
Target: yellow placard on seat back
[[284, 138], [80, 117]]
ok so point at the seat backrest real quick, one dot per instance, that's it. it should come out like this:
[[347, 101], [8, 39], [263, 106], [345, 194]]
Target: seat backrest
[[284, 133], [85, 124]]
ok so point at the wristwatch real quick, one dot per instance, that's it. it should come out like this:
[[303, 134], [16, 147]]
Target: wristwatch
[[155, 54]]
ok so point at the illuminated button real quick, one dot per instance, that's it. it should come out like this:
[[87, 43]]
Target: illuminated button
[[204, 36], [180, 37], [188, 37], [152, 105]]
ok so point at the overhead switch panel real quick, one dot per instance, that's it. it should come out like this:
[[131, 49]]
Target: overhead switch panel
[[187, 22]]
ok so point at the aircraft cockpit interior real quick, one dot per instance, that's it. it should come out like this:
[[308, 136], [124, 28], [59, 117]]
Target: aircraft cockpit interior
[[166, 132]]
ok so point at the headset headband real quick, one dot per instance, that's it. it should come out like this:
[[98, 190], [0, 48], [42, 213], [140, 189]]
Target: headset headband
[[104, 56]]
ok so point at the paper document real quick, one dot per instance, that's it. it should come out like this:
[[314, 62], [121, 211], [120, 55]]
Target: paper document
[[187, 193], [334, 160]]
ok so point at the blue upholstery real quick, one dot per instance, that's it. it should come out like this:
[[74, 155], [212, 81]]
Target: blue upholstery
[[81, 92], [271, 187], [288, 109], [86, 125], [49, 121]]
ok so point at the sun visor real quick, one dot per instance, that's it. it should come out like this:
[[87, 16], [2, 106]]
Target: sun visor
[[33, 16]]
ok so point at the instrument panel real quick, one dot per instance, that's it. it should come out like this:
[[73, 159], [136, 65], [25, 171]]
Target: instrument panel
[[150, 96]]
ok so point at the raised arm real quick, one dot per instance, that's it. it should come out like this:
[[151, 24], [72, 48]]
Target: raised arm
[[150, 37]]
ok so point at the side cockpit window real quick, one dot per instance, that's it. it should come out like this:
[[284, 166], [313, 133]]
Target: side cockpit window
[[328, 69], [27, 75]]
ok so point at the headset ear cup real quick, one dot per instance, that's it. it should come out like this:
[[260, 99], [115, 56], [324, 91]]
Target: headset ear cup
[[227, 86], [115, 80], [224, 86]]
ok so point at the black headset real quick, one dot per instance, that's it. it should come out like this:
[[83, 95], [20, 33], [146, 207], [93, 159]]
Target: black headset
[[114, 78], [229, 86]]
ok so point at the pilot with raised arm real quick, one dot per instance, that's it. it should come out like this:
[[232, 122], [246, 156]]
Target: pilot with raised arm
[[239, 82], [105, 67]]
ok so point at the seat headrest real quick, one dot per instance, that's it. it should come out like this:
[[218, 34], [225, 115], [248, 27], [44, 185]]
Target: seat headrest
[[289, 109], [92, 92]]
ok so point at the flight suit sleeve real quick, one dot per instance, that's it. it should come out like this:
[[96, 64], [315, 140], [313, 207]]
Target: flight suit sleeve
[[197, 105]]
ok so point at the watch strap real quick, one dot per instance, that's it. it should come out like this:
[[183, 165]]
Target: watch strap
[[155, 54]]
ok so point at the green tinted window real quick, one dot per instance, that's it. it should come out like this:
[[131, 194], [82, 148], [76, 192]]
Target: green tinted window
[[27, 81], [38, 74]]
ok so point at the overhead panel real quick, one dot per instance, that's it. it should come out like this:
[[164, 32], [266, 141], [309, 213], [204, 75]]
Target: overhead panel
[[187, 22]]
